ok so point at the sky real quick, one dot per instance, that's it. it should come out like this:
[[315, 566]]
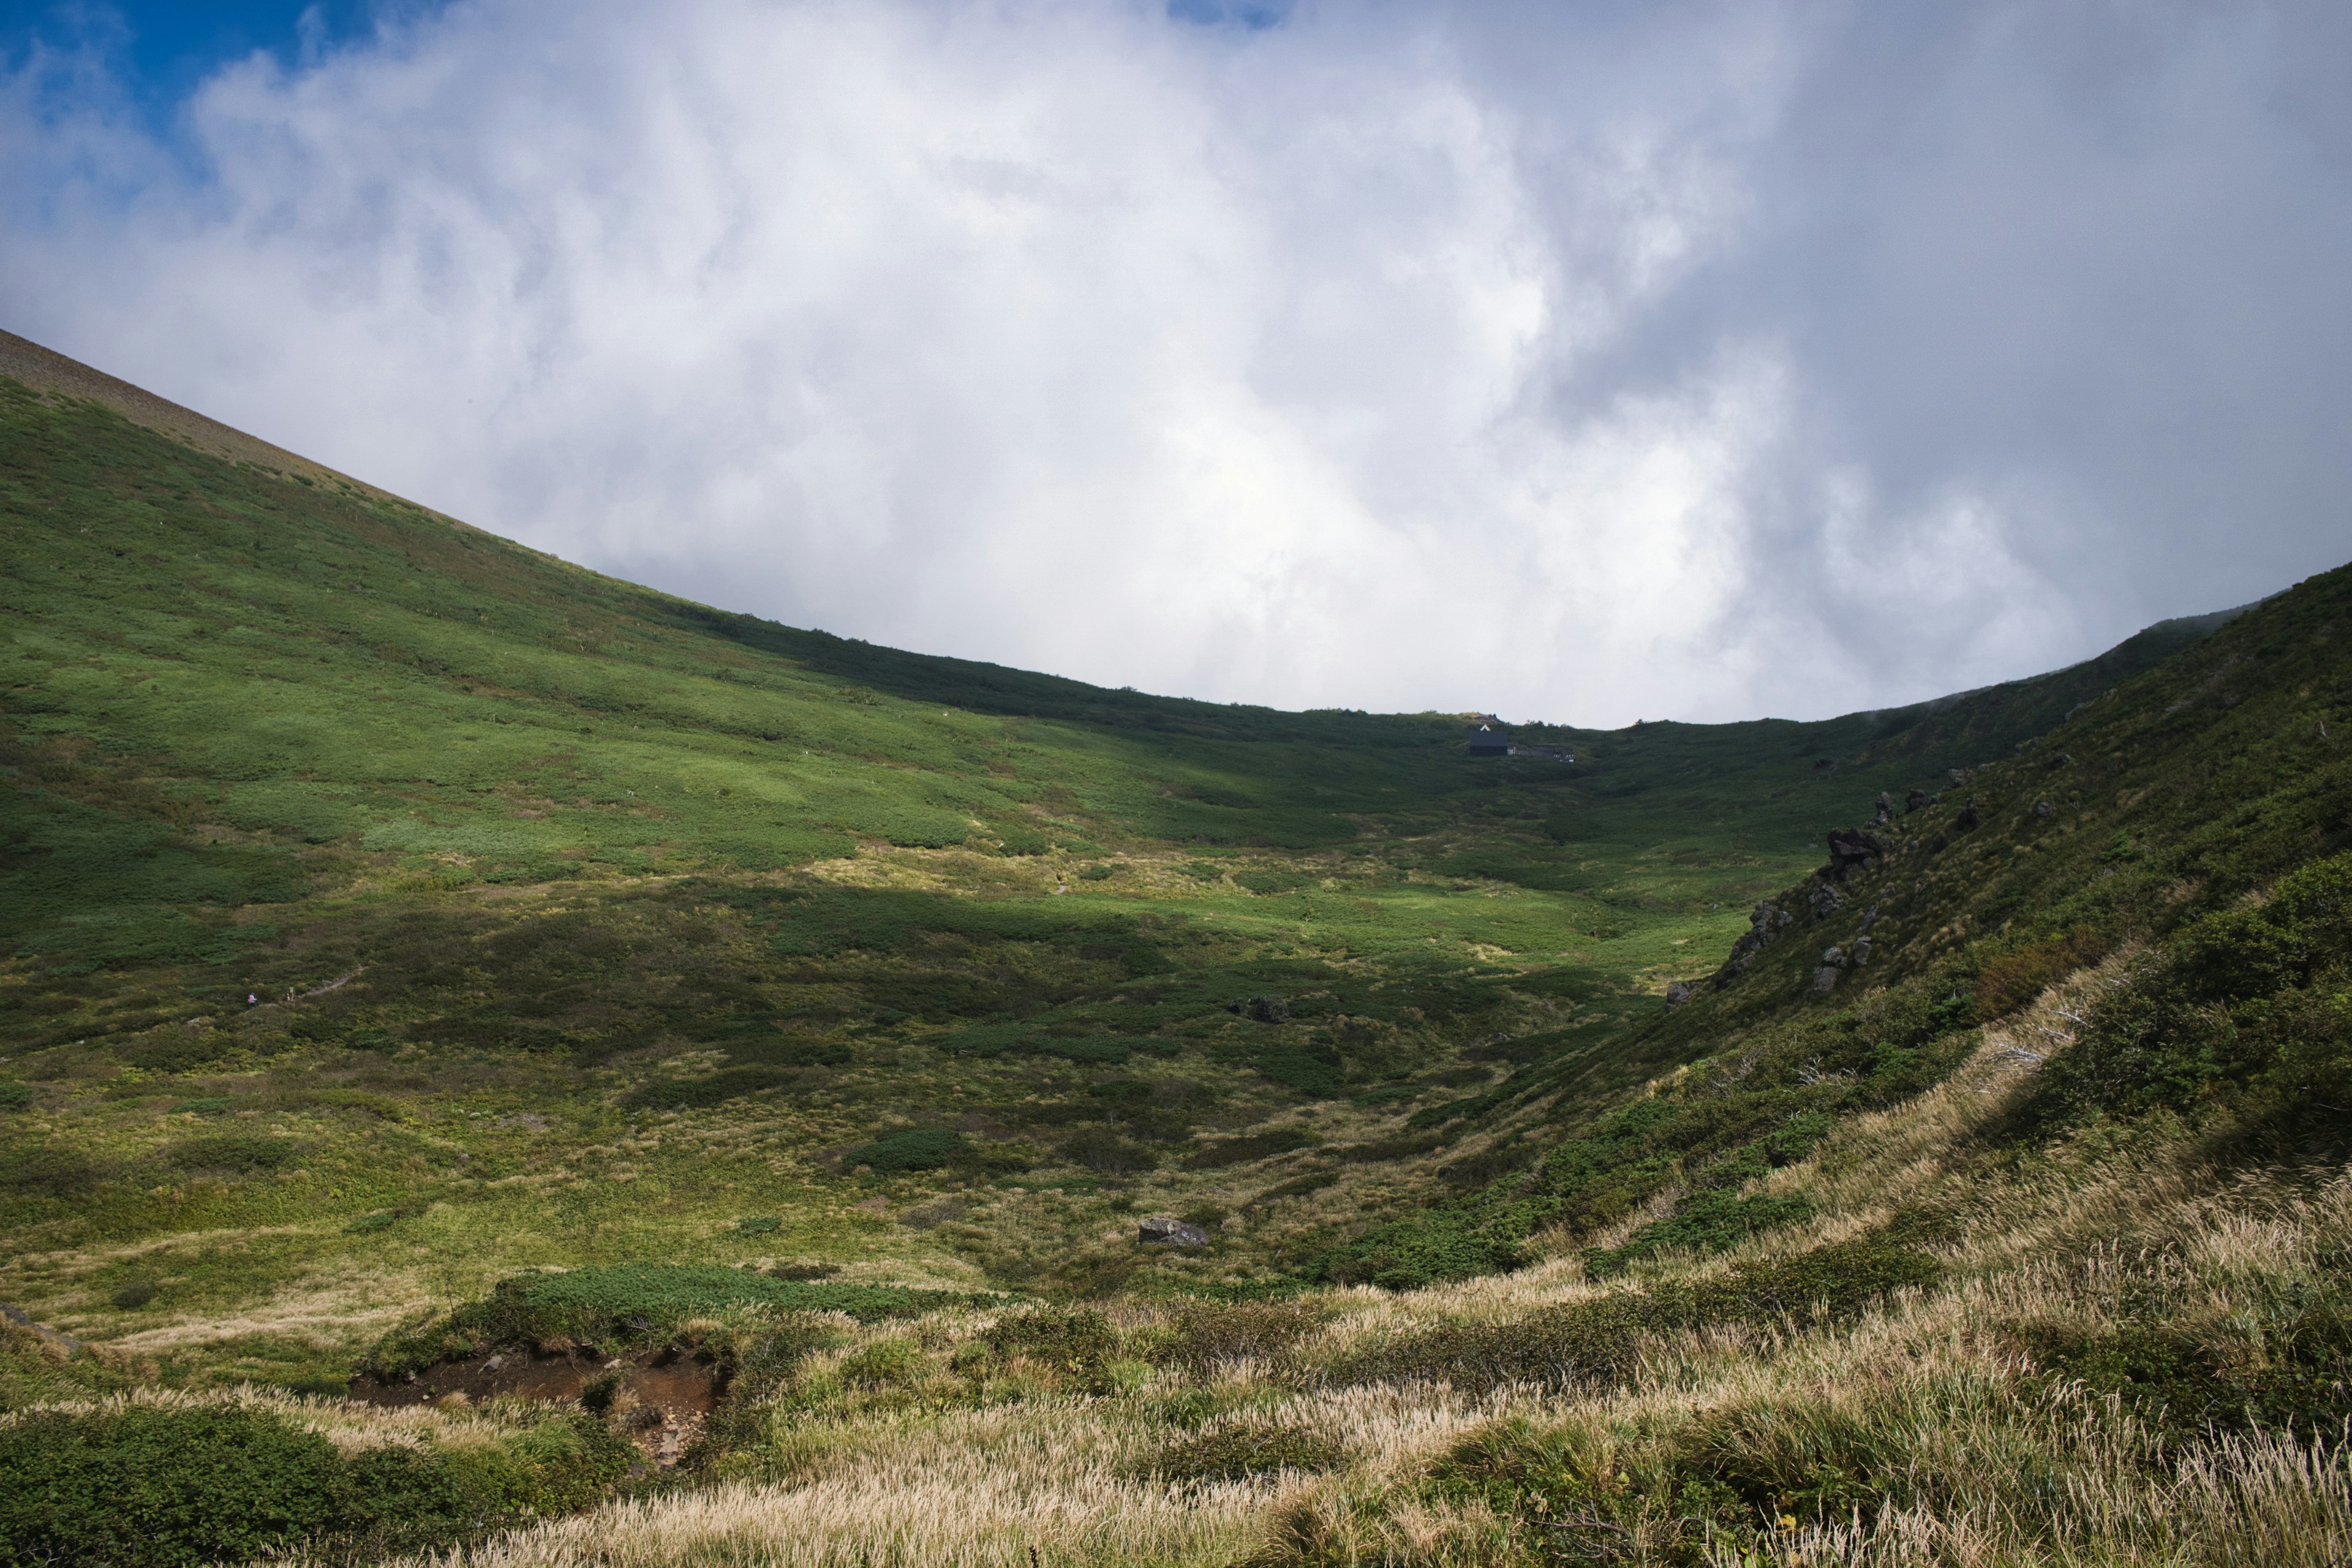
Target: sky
[[1581, 361]]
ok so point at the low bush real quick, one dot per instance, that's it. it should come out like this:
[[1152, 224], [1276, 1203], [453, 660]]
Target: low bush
[[1709, 1222], [1594, 1343], [1237, 1150], [1105, 1153], [16, 1096], [1077, 1345], [241, 1153], [917, 1149], [44, 1170], [2008, 980], [1203, 1333], [142, 1487], [629, 1303], [1239, 1452], [693, 1093]]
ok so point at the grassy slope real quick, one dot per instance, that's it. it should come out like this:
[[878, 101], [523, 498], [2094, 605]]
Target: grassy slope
[[2022, 1243], [570, 845], [615, 990]]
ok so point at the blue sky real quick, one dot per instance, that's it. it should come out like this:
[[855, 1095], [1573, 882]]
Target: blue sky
[[159, 50]]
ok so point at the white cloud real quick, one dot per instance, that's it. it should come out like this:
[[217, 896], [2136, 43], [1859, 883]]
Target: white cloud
[[1386, 358]]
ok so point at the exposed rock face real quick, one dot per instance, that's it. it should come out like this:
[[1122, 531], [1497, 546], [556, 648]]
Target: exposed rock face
[[1165, 1232], [1824, 900], [1885, 808], [1850, 849], [1767, 922], [1861, 952]]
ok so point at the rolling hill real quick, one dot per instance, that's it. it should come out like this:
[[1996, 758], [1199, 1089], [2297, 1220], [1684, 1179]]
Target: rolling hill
[[435, 971]]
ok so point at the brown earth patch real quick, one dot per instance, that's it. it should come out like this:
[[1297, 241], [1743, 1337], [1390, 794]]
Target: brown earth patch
[[660, 1397]]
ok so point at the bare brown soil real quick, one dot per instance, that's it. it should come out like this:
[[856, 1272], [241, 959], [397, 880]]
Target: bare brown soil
[[662, 1400]]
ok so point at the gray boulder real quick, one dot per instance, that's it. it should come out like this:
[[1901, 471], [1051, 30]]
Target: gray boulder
[[1825, 980], [1165, 1232], [1679, 991]]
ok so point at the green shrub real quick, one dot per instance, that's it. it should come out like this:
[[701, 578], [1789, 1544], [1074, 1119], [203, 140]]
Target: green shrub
[[16, 1096], [2008, 980], [148, 1488], [628, 1302], [1098, 1049], [1097, 873], [917, 1149], [789, 1053], [1709, 1222], [242, 1153], [693, 1093], [134, 1292], [1595, 1342], [759, 1224], [44, 1170], [1078, 1344], [1203, 1333], [1237, 1150], [1103, 1151], [1239, 1452]]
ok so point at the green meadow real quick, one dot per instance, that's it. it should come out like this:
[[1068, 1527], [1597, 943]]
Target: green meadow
[[419, 956]]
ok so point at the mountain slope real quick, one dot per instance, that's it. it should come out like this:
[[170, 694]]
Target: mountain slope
[[392, 911]]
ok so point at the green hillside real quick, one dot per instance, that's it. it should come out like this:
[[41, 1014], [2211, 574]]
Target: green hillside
[[391, 911]]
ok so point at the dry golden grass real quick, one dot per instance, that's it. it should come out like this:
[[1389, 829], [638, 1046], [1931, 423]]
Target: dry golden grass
[[1986, 1467]]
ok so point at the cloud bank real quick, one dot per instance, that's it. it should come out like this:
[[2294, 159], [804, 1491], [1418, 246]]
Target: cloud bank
[[1577, 361]]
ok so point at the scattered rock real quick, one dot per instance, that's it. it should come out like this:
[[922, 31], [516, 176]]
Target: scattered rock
[[1165, 1232], [1825, 980], [1679, 991], [1916, 799], [1959, 776], [1833, 958], [1265, 1009], [1824, 901], [2062, 760], [1885, 808], [1861, 952], [2043, 808], [1968, 821]]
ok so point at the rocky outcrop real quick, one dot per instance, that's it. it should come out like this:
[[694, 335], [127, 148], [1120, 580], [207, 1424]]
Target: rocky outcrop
[[1768, 921], [1165, 1232], [1850, 849]]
